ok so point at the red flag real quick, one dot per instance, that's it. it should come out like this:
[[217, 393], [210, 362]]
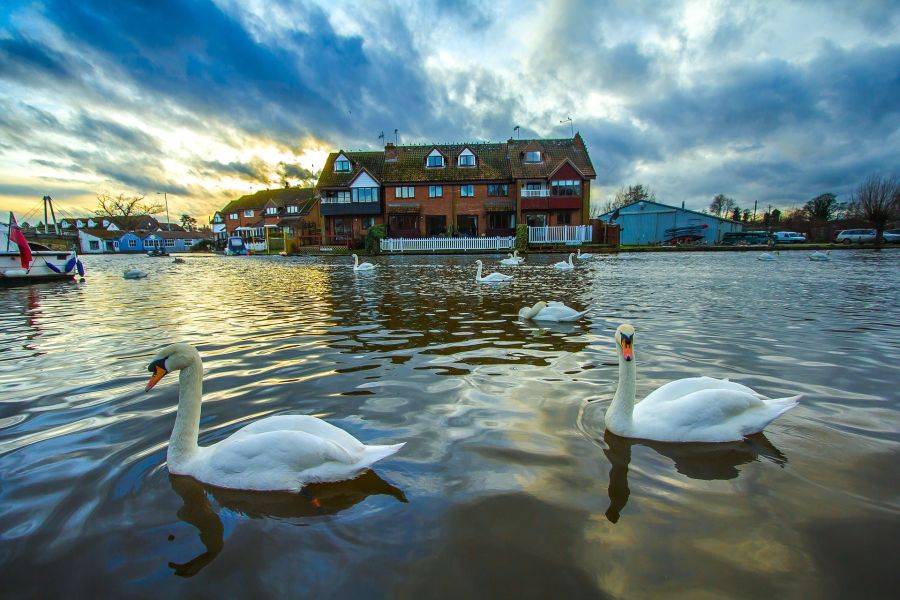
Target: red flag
[[16, 235]]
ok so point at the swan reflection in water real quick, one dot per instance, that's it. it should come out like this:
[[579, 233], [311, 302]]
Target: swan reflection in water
[[316, 500], [718, 461]]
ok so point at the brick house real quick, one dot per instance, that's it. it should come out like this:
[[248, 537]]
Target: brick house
[[466, 189]]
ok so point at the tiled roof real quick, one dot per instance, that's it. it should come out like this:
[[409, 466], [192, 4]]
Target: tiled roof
[[371, 161], [259, 199], [490, 163], [553, 153]]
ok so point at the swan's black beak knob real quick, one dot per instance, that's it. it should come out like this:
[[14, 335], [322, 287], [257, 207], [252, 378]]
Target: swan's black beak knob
[[158, 368]]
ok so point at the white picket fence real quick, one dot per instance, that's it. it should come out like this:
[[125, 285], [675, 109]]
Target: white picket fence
[[435, 244], [559, 234]]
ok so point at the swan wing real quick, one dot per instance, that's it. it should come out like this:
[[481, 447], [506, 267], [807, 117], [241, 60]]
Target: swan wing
[[681, 387], [708, 415]]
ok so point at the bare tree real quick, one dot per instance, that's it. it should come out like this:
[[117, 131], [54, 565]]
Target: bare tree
[[124, 206], [877, 200]]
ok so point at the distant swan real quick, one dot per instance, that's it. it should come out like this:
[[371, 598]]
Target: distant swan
[[767, 256], [552, 311], [565, 266], [358, 266], [279, 453], [820, 256], [695, 409], [492, 278], [585, 256], [512, 260]]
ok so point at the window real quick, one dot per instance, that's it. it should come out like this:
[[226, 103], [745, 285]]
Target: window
[[435, 191], [564, 218], [94, 245], [132, 243], [342, 165], [293, 208], [271, 210], [435, 161], [498, 189], [337, 198], [533, 156], [467, 191], [467, 160], [233, 216], [565, 187], [406, 191], [365, 194], [248, 212], [368, 222]]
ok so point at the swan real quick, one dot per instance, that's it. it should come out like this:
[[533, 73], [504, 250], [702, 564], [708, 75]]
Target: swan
[[357, 266], [552, 311], [695, 409], [585, 256], [279, 453], [820, 256], [512, 260], [767, 256], [133, 274], [492, 278], [565, 266]]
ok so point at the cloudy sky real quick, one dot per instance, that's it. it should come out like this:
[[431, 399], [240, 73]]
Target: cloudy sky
[[208, 99]]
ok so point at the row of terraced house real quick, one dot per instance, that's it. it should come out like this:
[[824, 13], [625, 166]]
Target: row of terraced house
[[466, 189]]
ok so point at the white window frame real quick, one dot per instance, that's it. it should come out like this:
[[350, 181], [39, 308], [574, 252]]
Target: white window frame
[[435, 191], [467, 191], [405, 191]]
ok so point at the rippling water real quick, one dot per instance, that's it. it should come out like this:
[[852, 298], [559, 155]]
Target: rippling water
[[507, 485]]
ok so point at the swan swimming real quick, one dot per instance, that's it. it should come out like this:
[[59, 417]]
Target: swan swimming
[[585, 256], [551, 311], [279, 453], [358, 266], [820, 256], [695, 409], [492, 278], [565, 266], [512, 260]]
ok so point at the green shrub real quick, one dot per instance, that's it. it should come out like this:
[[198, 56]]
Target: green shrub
[[374, 237], [522, 237]]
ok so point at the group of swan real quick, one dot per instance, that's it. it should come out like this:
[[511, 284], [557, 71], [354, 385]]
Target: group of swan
[[287, 452]]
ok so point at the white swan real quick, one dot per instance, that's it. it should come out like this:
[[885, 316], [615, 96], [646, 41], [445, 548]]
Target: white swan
[[280, 453], [565, 266], [133, 274], [695, 409], [358, 266], [767, 256], [492, 278], [552, 311], [585, 256], [512, 260], [820, 256]]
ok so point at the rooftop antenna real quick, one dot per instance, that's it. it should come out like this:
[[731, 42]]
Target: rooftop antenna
[[571, 125], [396, 137], [518, 132]]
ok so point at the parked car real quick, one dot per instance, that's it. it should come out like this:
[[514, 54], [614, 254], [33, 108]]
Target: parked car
[[892, 236], [789, 237], [849, 236]]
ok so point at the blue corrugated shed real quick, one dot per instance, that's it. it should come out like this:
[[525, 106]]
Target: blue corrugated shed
[[651, 223]]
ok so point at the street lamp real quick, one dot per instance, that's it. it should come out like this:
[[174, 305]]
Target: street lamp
[[166, 199]]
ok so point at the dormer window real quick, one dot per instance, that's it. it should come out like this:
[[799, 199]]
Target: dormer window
[[466, 159], [435, 160], [341, 164], [533, 156]]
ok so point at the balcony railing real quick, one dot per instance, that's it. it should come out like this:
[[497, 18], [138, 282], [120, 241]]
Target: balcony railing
[[535, 193]]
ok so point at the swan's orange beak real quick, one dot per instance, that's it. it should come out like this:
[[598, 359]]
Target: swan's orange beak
[[627, 348], [159, 371]]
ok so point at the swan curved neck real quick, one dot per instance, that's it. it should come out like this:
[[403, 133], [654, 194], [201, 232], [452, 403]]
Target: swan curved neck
[[183, 442], [618, 415]]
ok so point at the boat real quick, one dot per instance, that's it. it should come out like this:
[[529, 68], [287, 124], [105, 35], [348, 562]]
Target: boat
[[236, 247], [45, 264]]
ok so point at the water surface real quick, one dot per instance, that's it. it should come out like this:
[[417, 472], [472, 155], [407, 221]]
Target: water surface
[[507, 484]]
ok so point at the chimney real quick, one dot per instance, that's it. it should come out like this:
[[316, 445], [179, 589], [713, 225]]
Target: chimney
[[390, 152]]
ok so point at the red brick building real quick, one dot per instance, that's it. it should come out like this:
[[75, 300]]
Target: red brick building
[[465, 189]]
